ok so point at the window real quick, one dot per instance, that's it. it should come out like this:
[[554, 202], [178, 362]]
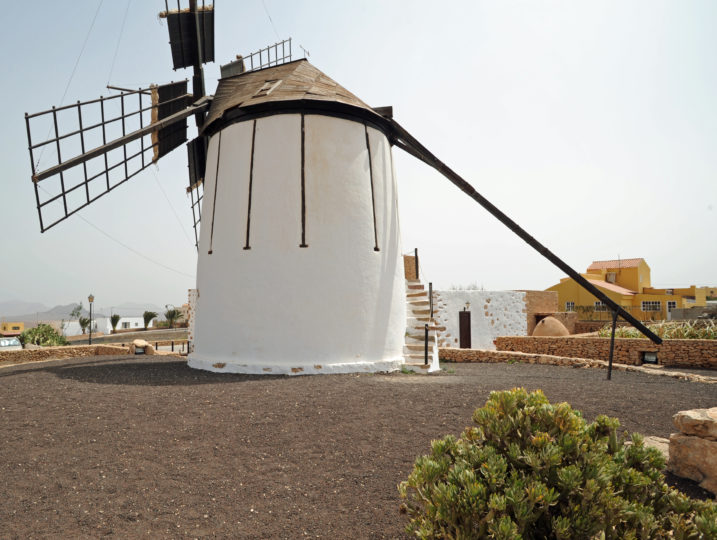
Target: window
[[136, 324], [610, 277], [569, 306], [670, 291], [651, 305], [267, 88], [125, 325], [600, 306], [671, 304], [16, 328]]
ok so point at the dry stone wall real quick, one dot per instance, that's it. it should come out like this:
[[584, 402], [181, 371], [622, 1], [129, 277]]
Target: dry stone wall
[[493, 313], [696, 353], [59, 353]]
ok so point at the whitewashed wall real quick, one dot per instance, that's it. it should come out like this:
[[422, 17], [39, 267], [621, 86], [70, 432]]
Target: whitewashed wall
[[335, 306], [493, 314], [72, 328]]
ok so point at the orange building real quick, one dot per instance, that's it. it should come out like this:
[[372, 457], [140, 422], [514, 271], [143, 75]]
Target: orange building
[[627, 283], [8, 329]]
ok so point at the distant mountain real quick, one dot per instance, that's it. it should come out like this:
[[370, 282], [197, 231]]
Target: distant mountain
[[10, 308], [30, 312], [54, 314]]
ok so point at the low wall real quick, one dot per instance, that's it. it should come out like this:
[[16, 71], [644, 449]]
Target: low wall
[[58, 353], [696, 353], [498, 357]]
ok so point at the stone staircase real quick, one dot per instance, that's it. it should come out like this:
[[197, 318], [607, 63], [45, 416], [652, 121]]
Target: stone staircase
[[418, 314]]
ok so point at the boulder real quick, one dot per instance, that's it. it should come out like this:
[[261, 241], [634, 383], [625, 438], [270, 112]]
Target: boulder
[[140, 343], [694, 458], [550, 327], [698, 422]]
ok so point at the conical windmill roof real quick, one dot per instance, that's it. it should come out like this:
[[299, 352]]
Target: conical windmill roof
[[288, 84]]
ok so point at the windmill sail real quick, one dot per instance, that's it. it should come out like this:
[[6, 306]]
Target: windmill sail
[[197, 162], [83, 151]]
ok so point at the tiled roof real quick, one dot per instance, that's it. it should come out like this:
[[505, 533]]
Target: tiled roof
[[617, 263], [612, 287]]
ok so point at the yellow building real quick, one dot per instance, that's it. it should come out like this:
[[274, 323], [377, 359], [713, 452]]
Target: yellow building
[[627, 283], [11, 328]]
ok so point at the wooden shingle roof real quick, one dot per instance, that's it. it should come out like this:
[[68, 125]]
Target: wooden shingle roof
[[293, 81]]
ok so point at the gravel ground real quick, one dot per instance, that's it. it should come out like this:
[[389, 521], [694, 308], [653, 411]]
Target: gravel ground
[[132, 446]]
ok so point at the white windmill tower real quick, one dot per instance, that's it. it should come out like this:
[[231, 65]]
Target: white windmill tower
[[299, 267], [299, 254]]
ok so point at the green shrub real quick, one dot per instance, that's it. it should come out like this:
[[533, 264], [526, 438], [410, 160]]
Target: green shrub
[[706, 329], [43, 335], [530, 469]]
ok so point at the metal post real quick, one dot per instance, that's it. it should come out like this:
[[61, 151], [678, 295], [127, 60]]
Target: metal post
[[430, 297], [172, 345], [90, 323], [425, 347], [612, 345], [415, 257]]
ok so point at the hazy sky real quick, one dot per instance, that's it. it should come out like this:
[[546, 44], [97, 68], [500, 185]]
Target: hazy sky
[[592, 124]]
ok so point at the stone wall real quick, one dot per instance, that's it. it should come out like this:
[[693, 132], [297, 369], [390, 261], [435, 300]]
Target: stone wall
[[697, 353], [497, 357], [538, 304], [58, 353], [493, 314]]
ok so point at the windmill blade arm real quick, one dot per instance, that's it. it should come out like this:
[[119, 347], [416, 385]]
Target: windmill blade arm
[[199, 106], [404, 140]]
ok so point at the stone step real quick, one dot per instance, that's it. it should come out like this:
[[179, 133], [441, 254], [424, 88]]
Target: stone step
[[415, 287], [419, 336], [418, 365], [418, 358], [420, 294], [418, 302], [418, 347]]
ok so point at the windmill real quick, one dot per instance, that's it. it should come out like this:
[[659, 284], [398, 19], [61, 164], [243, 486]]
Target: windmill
[[299, 261]]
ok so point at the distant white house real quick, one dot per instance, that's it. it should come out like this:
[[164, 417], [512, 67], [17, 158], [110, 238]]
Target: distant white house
[[72, 328], [128, 323], [102, 324]]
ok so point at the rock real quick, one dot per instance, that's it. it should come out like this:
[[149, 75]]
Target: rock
[[699, 422], [659, 443], [550, 327], [694, 458], [149, 349], [140, 343]]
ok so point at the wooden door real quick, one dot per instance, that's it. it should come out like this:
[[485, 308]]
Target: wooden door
[[464, 329]]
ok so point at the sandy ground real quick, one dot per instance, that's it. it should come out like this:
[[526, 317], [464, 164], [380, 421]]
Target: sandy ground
[[145, 446]]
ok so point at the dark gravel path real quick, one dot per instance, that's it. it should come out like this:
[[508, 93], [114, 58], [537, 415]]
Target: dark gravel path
[[138, 446]]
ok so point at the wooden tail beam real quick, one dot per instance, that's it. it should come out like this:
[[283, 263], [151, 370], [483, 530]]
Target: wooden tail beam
[[405, 141]]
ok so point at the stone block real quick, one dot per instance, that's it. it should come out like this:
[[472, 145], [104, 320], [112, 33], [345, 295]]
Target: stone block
[[698, 422], [694, 458]]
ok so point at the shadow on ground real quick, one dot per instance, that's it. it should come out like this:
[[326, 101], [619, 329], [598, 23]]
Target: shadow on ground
[[136, 373]]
